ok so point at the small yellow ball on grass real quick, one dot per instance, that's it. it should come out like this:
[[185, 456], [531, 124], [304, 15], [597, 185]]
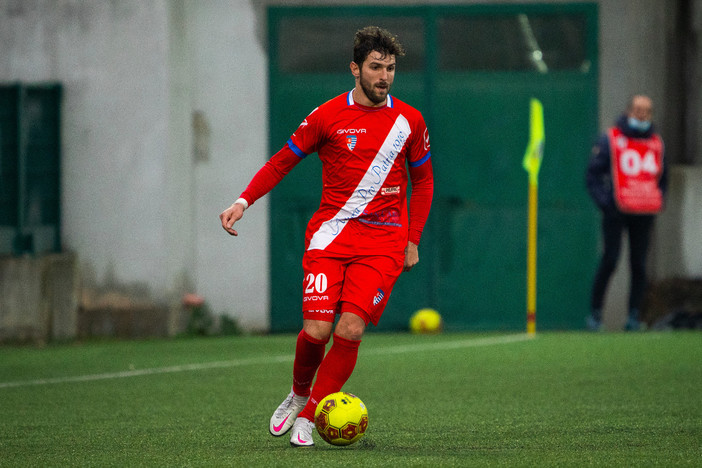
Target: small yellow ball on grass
[[426, 321]]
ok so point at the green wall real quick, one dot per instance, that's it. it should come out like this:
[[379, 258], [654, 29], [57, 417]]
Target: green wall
[[469, 70]]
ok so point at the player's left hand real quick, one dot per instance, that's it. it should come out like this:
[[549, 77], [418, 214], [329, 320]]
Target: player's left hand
[[411, 256]]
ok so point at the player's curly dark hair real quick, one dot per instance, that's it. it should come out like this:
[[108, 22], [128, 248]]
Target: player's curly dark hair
[[373, 38]]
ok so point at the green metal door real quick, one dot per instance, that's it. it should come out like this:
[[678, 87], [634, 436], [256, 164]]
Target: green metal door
[[471, 71]]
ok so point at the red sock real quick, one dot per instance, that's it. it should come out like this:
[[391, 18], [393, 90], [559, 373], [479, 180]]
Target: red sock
[[335, 370], [309, 353]]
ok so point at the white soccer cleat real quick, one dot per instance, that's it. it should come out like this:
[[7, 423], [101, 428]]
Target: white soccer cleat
[[301, 435], [284, 417]]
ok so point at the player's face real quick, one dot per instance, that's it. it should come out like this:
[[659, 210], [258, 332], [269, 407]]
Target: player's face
[[376, 76]]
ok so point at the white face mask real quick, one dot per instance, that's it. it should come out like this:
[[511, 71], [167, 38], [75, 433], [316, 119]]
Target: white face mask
[[640, 125]]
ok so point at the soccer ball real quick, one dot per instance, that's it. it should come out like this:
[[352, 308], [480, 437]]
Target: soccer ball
[[426, 321], [341, 418]]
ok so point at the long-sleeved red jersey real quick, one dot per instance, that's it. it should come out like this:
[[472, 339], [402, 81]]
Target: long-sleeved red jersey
[[365, 154]]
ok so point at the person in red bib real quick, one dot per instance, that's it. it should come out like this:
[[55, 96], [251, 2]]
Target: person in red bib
[[362, 236], [626, 178]]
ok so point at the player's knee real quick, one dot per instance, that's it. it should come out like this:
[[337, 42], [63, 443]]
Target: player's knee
[[351, 326], [349, 332], [317, 329], [353, 335]]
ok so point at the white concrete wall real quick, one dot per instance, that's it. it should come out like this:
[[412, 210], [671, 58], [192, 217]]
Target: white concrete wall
[[227, 82], [138, 208], [111, 59], [140, 204], [632, 54]]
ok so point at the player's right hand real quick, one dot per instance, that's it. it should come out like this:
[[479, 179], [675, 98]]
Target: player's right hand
[[230, 216]]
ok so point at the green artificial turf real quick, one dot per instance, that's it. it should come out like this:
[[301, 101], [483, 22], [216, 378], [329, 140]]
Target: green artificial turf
[[559, 399]]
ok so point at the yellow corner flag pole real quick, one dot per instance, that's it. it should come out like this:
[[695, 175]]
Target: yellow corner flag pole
[[532, 164]]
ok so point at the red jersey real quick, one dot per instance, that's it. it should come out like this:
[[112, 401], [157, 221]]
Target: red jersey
[[636, 168], [365, 152]]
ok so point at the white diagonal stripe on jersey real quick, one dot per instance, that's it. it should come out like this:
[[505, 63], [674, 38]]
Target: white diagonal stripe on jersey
[[367, 188]]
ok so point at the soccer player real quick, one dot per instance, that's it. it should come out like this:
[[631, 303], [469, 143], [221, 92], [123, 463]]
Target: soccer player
[[362, 237]]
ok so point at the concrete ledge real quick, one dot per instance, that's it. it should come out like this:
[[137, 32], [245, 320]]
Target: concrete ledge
[[123, 312], [38, 298], [42, 300], [133, 322]]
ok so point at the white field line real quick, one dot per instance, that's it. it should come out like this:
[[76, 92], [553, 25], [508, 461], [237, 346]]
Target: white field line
[[410, 348]]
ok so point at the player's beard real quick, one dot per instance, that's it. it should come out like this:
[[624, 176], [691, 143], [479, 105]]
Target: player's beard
[[375, 94]]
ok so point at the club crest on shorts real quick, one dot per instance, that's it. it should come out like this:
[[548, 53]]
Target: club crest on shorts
[[378, 297], [351, 142]]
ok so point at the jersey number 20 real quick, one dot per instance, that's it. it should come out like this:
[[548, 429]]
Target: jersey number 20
[[318, 283]]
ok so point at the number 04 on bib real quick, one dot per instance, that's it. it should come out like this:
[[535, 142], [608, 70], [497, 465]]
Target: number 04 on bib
[[636, 169]]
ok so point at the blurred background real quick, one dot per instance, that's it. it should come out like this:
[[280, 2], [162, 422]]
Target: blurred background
[[127, 126]]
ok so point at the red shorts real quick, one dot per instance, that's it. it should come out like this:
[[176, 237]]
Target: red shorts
[[330, 279]]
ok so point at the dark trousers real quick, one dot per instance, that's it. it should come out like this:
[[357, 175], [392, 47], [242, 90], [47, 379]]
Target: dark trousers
[[638, 228]]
